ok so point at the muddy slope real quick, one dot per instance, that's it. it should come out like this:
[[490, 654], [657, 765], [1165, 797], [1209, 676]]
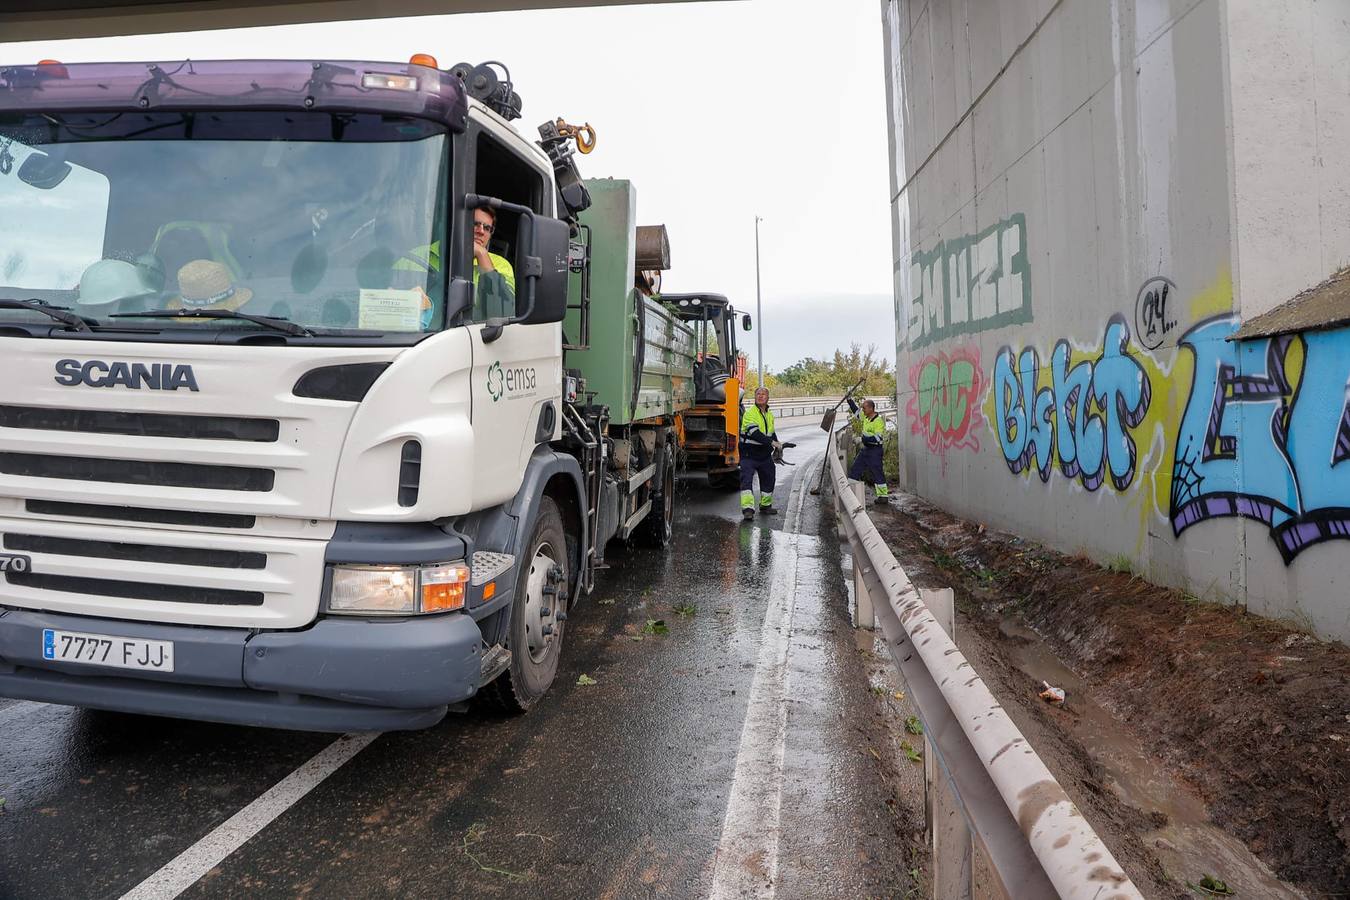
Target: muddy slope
[[1253, 715]]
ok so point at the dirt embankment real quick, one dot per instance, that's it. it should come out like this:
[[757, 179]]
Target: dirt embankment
[[1251, 714]]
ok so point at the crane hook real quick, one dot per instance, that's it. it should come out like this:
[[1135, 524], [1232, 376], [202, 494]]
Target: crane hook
[[584, 135]]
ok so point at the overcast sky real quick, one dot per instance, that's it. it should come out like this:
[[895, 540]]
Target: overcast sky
[[716, 111]]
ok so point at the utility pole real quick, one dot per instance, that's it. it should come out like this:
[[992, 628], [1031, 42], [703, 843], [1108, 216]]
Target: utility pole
[[759, 310]]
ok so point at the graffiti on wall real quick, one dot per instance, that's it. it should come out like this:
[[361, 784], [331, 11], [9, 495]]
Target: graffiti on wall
[[943, 405], [1155, 312], [1078, 412], [969, 284], [1266, 434]]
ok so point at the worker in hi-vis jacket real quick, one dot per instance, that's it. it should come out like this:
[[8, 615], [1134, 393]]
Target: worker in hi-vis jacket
[[868, 462], [758, 442]]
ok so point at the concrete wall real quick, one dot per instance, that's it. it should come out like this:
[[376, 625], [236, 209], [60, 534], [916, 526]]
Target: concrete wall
[[1078, 186], [1290, 67]]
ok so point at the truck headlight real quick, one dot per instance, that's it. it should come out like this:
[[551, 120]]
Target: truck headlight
[[398, 590]]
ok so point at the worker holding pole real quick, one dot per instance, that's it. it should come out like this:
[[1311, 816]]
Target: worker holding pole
[[758, 443], [869, 463]]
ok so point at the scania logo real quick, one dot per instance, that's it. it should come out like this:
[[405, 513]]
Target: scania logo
[[152, 376]]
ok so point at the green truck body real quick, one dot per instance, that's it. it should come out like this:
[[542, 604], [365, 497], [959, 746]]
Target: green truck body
[[640, 357]]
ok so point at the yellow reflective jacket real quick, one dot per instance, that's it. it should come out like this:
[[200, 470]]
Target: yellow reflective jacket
[[757, 433]]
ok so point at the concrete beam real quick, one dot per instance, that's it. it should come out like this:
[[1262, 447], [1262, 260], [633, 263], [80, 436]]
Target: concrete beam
[[46, 20]]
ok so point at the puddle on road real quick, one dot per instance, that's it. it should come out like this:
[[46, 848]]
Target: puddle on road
[[1189, 845]]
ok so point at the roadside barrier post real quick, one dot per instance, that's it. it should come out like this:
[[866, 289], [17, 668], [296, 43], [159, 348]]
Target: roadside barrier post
[[949, 836], [864, 616], [961, 865]]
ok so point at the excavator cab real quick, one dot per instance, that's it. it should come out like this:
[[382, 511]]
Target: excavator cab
[[709, 429]]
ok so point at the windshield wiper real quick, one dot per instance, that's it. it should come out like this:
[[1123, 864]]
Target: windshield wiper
[[274, 322], [59, 313]]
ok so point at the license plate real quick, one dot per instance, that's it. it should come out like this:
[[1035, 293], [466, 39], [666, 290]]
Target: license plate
[[107, 650]]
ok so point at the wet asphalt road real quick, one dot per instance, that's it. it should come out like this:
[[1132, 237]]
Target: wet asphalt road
[[646, 784]]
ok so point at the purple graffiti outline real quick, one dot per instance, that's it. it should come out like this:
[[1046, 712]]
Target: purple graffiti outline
[[1301, 528]]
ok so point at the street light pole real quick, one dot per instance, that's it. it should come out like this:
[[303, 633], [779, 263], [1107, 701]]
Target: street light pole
[[759, 311]]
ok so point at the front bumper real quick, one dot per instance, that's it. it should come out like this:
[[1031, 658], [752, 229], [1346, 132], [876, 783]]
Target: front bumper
[[337, 675]]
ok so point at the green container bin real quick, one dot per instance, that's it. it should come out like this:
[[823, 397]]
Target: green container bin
[[640, 362]]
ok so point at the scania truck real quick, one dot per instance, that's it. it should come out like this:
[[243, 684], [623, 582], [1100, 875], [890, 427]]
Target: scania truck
[[279, 445]]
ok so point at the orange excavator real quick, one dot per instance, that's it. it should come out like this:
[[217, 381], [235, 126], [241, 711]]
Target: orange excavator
[[708, 432]]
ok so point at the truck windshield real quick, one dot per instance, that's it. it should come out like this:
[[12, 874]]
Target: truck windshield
[[331, 221]]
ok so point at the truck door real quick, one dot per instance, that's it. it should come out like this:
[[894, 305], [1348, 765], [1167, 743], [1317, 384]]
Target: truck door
[[517, 373]]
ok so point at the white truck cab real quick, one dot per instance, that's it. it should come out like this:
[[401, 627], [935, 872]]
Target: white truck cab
[[272, 451]]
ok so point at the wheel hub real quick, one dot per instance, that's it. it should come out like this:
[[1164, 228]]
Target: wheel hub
[[542, 601]]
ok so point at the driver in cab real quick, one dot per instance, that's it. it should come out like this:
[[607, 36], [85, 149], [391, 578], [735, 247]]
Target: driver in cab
[[494, 279]]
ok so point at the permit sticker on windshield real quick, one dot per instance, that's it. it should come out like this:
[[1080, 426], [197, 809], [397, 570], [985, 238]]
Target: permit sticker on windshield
[[390, 309]]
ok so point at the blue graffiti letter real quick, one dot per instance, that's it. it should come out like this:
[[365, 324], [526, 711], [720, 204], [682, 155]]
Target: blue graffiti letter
[[1236, 395], [1078, 438], [1123, 393]]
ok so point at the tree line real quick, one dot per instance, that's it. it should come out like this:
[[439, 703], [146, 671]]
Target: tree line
[[830, 377]]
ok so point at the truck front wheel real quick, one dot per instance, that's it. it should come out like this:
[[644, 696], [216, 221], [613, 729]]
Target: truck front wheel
[[536, 632]]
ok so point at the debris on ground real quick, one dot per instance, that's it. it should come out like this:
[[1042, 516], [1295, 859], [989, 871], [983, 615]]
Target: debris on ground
[[1051, 694], [585, 679], [1212, 886], [656, 626], [913, 725]]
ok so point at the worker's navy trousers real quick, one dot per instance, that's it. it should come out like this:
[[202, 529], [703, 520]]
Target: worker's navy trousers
[[767, 474], [867, 465]]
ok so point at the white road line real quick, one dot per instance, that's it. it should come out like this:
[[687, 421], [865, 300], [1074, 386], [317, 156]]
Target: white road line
[[184, 870], [747, 854], [19, 709]]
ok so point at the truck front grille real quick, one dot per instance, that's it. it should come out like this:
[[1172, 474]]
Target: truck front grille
[[140, 424], [138, 514], [149, 573], [134, 590], [176, 556], [130, 471]]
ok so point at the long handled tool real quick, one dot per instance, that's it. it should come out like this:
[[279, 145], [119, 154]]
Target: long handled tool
[[827, 425]]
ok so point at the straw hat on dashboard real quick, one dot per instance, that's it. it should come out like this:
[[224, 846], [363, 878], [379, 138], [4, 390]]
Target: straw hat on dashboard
[[207, 284]]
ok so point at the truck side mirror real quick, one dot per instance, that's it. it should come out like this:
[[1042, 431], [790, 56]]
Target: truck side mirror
[[543, 248], [745, 322]]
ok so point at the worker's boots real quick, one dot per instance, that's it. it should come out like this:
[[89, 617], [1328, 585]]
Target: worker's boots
[[747, 514], [767, 511]]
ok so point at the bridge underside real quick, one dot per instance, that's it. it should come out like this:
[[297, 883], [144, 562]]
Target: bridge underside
[[38, 20]]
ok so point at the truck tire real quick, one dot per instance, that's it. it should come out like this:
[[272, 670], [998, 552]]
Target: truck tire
[[536, 632], [658, 529]]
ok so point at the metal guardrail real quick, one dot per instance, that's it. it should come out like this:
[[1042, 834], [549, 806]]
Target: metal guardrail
[[1036, 840], [792, 407]]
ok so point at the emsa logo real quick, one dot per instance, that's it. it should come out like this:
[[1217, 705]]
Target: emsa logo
[[515, 382], [496, 382], [97, 373]]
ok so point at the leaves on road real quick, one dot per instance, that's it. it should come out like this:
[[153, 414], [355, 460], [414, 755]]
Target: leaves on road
[[656, 626], [1213, 887], [473, 836], [909, 751], [608, 601], [913, 725], [685, 609], [585, 679]]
